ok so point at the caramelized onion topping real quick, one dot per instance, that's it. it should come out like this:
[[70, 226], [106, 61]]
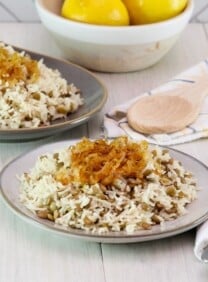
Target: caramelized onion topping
[[16, 67], [103, 162]]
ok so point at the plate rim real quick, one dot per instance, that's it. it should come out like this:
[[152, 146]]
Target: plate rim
[[81, 234]]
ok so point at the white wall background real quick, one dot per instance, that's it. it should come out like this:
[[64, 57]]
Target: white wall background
[[25, 11]]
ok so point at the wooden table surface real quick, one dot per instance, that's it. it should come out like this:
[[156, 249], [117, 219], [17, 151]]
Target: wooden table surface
[[30, 254]]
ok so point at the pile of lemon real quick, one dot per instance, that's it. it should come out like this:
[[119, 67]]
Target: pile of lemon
[[121, 12]]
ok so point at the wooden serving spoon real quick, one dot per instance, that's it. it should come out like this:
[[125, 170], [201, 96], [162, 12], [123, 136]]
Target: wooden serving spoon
[[169, 112]]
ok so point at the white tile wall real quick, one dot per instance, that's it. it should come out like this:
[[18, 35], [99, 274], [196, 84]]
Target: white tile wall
[[200, 11], [25, 11], [18, 10]]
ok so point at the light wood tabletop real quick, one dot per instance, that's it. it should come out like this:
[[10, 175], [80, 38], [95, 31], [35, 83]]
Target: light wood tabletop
[[28, 253]]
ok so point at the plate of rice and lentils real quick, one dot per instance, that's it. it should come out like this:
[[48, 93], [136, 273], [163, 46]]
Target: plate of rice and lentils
[[41, 95], [110, 191]]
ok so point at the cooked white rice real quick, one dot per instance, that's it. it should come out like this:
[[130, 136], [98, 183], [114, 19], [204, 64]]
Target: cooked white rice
[[162, 195], [35, 104]]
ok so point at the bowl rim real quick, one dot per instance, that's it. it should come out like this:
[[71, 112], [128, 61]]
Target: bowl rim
[[185, 13], [65, 31]]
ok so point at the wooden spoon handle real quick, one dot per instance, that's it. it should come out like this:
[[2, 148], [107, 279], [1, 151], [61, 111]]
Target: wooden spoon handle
[[196, 92]]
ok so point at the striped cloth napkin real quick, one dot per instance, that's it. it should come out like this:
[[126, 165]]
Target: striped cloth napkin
[[201, 242], [115, 121]]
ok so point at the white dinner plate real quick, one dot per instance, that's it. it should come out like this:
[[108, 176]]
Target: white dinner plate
[[197, 210], [92, 89]]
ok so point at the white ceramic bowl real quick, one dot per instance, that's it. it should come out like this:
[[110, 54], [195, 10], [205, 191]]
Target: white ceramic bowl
[[112, 49]]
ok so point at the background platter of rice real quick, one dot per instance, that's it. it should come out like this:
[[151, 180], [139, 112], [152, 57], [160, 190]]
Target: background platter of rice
[[59, 188], [31, 94]]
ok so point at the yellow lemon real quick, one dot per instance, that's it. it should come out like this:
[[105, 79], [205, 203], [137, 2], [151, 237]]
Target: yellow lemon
[[101, 12], [150, 11]]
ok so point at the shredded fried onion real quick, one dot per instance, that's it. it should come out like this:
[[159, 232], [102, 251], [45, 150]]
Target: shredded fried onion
[[15, 67], [103, 162]]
